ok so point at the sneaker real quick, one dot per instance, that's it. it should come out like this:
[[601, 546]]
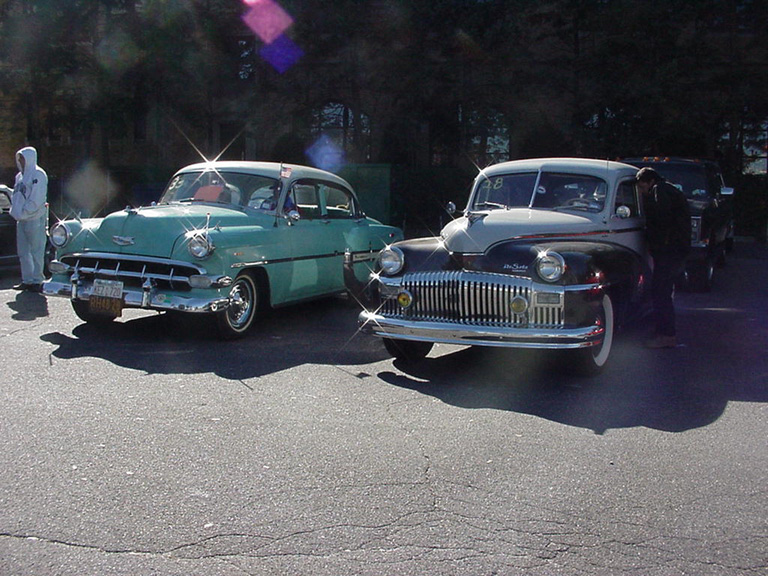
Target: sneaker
[[661, 342], [37, 288], [21, 286]]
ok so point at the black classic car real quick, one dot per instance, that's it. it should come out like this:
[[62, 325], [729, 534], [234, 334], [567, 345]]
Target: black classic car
[[8, 257], [711, 213], [549, 254]]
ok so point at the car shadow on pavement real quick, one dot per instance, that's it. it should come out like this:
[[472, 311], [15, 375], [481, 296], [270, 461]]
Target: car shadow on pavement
[[671, 390], [319, 332], [719, 359]]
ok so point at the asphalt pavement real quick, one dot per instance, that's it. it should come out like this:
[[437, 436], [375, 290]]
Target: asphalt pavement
[[151, 448]]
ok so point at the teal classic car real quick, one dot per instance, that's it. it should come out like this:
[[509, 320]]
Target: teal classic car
[[227, 239]]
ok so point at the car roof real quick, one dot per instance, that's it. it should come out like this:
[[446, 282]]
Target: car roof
[[670, 161], [270, 169], [586, 166]]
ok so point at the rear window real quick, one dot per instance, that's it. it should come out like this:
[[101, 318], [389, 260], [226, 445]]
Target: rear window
[[691, 179]]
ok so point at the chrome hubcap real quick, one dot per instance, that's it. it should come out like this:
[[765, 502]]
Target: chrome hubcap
[[239, 304]]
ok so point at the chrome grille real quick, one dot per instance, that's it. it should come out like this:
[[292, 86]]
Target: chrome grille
[[474, 298], [133, 270]]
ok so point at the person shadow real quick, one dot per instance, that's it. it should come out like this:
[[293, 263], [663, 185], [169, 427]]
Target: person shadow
[[28, 306]]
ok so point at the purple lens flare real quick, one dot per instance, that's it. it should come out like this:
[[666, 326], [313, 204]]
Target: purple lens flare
[[269, 22]]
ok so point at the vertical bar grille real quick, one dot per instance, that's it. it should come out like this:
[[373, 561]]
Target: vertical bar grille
[[473, 298]]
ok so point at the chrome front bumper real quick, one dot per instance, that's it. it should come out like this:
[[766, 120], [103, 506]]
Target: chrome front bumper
[[473, 335], [149, 299]]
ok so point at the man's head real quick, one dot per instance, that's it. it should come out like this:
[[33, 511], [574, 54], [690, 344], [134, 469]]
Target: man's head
[[26, 158], [646, 179]]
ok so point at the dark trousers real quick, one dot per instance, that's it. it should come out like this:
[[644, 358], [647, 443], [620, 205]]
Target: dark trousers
[[666, 269]]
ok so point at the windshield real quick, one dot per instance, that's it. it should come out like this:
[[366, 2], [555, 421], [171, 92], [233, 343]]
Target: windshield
[[552, 191], [231, 188]]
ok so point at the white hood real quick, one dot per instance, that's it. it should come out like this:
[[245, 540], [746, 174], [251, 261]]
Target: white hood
[[30, 164], [475, 233], [30, 190]]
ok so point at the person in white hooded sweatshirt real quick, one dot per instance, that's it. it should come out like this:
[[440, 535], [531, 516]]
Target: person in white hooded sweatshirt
[[29, 209]]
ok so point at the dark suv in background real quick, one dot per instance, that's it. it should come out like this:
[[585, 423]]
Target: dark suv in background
[[711, 207]]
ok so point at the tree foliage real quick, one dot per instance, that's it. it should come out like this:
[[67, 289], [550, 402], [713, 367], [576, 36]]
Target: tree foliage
[[442, 81]]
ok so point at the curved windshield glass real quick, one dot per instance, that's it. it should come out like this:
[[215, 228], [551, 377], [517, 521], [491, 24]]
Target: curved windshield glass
[[232, 188], [507, 191], [547, 190]]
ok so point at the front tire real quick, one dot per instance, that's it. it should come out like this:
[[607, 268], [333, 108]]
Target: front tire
[[591, 361], [407, 350], [245, 302]]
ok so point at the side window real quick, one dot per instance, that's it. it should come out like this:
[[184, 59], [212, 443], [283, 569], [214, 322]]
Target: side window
[[263, 198], [626, 195], [338, 202], [304, 196]]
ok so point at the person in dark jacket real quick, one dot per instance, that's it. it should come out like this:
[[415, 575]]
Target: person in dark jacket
[[668, 233]]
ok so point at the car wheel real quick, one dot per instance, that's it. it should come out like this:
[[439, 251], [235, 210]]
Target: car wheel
[[245, 302], [83, 311], [407, 350], [591, 361]]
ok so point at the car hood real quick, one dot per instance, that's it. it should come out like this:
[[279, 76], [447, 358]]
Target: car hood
[[478, 231], [155, 230]]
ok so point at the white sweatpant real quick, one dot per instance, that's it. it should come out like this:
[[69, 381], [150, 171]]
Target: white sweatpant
[[30, 244]]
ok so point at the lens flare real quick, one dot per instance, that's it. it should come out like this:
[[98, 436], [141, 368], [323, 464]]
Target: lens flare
[[267, 19]]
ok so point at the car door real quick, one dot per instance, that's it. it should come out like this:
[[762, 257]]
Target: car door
[[351, 231], [315, 248], [627, 219], [7, 231]]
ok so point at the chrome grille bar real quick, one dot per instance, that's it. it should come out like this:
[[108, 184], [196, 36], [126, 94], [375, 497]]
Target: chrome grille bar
[[132, 270], [474, 298]]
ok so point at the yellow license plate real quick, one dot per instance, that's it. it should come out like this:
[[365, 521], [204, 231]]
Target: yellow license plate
[[106, 298]]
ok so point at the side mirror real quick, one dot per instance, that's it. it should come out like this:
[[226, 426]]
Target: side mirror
[[294, 215], [623, 212], [450, 208], [726, 191]]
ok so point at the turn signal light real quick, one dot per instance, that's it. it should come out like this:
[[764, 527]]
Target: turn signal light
[[405, 299]]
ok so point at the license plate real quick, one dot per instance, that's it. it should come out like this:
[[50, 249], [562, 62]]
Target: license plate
[[106, 298]]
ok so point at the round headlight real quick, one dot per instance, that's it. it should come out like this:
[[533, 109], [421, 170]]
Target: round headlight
[[391, 260], [550, 266], [59, 235], [200, 246]]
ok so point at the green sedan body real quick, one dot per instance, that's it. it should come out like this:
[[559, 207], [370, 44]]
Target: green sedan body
[[227, 239]]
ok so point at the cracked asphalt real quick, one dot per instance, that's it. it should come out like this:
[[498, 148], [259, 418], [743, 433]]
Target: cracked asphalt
[[150, 448]]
